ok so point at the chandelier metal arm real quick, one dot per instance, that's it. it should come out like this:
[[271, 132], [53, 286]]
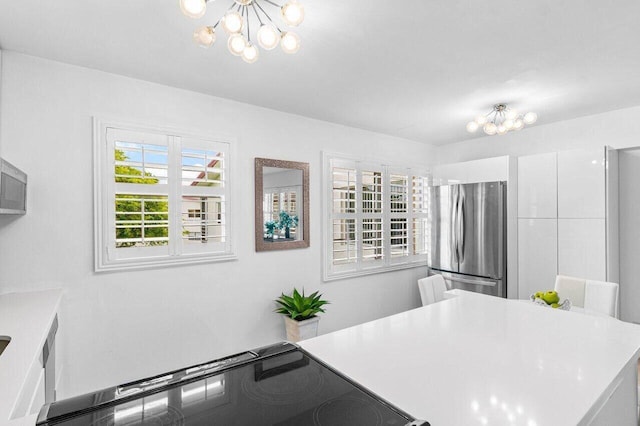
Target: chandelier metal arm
[[245, 11], [268, 17], [253, 6], [275, 4]]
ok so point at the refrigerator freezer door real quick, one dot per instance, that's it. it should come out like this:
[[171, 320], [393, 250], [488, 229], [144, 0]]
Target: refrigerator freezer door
[[480, 229], [442, 217], [476, 284]]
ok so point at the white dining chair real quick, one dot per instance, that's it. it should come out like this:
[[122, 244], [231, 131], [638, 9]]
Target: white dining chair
[[571, 288], [432, 289], [596, 296], [601, 296]]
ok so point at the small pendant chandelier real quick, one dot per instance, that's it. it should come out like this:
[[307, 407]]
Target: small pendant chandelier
[[500, 120], [237, 23]]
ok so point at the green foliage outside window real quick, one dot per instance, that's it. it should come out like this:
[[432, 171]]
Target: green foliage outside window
[[134, 208]]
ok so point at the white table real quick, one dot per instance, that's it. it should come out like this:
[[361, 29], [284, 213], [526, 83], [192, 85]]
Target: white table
[[485, 360]]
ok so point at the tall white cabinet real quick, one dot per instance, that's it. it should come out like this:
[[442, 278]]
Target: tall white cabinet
[[566, 222]]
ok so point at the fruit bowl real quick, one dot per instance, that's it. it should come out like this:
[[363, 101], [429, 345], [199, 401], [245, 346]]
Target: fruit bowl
[[565, 305]]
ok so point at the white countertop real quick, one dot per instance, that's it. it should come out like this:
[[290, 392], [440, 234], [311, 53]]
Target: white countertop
[[485, 360], [26, 318]]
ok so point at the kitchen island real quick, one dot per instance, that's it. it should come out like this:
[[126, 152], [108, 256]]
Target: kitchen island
[[476, 360], [26, 318]]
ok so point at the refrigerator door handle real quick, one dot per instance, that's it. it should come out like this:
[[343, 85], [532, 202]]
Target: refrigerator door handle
[[476, 282], [453, 229], [461, 219], [460, 279]]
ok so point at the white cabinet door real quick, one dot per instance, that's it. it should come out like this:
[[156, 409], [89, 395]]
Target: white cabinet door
[[537, 186], [581, 184], [582, 248], [484, 170], [537, 255]]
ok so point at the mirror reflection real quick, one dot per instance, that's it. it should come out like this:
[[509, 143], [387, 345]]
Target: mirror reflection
[[282, 190]]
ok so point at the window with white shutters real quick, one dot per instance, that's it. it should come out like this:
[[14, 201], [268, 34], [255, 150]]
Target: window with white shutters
[[375, 217], [161, 198]]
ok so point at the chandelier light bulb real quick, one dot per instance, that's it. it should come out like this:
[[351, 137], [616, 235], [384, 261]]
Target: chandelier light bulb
[[501, 130], [193, 8], [530, 118], [511, 114], [236, 44], [250, 53], [508, 123], [481, 120], [518, 124], [268, 37], [204, 36], [490, 129], [290, 42], [244, 2], [472, 126], [232, 22], [292, 13]]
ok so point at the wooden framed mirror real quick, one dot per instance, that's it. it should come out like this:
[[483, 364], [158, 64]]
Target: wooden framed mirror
[[282, 204]]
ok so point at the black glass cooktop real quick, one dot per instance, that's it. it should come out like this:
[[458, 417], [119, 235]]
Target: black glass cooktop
[[279, 385]]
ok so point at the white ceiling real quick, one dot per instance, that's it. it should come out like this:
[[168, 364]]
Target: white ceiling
[[418, 69]]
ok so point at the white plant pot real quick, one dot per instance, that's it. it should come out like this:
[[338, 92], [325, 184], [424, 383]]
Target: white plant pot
[[301, 330]]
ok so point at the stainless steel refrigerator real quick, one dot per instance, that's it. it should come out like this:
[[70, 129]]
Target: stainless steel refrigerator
[[468, 236]]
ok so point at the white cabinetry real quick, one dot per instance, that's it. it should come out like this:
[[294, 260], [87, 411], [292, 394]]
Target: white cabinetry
[[537, 186], [537, 254], [581, 184], [582, 248], [566, 190], [484, 170]]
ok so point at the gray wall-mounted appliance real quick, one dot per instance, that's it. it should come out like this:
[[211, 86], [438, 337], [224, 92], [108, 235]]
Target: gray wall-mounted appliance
[[13, 189]]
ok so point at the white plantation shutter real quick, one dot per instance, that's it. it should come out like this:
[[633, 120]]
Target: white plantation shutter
[[373, 217], [161, 198]]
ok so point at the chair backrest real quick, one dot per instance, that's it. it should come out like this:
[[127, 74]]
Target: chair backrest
[[571, 288], [601, 296], [432, 289]]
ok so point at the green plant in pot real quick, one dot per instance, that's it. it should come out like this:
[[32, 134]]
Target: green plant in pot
[[270, 226], [300, 314], [286, 222]]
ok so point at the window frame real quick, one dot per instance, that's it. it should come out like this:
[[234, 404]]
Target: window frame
[[105, 192], [388, 263]]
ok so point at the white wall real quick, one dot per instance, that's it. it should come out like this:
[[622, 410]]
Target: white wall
[[0, 117], [629, 166], [120, 326]]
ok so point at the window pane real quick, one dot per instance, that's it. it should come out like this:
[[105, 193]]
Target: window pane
[[141, 220], [420, 235], [140, 163], [399, 189], [372, 238], [202, 220], [202, 168], [420, 185], [344, 190], [344, 241], [371, 192], [399, 246]]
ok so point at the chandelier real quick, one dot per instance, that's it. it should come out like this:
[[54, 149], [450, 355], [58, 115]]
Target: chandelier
[[500, 120], [240, 19]]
